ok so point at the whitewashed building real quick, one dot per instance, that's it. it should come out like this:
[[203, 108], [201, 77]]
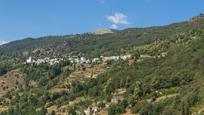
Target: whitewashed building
[[110, 58], [29, 60], [125, 57], [94, 60]]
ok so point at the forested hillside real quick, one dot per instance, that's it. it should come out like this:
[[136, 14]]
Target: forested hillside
[[164, 75]]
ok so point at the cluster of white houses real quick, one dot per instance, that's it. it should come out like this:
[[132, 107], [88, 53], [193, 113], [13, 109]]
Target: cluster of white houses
[[30, 60], [76, 59]]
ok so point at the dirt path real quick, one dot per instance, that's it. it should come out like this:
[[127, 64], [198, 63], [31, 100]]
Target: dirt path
[[128, 112], [162, 98], [200, 111]]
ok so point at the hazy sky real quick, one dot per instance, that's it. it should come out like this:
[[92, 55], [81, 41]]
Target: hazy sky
[[34, 18]]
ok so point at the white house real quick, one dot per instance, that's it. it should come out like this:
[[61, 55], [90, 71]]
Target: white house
[[125, 57], [88, 111], [95, 60], [110, 58], [82, 60], [29, 60]]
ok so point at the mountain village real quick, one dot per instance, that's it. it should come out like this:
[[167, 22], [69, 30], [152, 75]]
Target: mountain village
[[76, 59]]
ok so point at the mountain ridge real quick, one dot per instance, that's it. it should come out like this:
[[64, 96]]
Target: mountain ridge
[[52, 41]]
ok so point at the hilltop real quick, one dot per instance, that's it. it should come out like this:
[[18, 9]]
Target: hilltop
[[103, 31]]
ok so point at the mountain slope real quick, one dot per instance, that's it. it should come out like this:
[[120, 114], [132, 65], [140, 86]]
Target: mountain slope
[[87, 43], [163, 76]]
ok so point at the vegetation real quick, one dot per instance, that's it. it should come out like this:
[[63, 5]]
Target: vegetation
[[164, 76]]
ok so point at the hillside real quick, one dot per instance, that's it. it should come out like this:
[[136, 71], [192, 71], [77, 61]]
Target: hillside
[[146, 71], [106, 44]]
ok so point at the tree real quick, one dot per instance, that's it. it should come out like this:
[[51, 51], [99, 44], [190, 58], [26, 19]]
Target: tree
[[55, 70], [170, 111], [53, 113], [3, 70], [136, 55], [116, 109], [185, 108]]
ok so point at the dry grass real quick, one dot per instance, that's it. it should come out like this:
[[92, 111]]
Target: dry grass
[[120, 91], [3, 109], [82, 75], [10, 81], [89, 72]]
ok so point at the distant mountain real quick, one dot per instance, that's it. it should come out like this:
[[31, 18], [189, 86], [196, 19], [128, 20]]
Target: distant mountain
[[200, 16], [103, 31]]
